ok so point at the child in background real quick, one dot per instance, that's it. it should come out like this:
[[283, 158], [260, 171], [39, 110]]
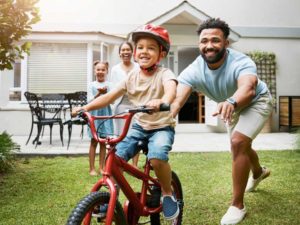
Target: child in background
[[151, 85], [95, 89]]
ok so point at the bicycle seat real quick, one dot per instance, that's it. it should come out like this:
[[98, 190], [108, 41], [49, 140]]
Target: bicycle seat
[[143, 145]]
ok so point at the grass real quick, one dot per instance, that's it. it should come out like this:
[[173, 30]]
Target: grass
[[44, 190]]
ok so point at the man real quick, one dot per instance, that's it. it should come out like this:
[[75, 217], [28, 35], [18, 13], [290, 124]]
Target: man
[[244, 104]]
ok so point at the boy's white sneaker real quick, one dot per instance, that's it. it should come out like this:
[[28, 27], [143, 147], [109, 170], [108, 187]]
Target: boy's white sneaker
[[253, 183], [233, 216]]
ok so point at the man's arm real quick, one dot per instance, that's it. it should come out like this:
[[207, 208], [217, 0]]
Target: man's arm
[[246, 90], [183, 93], [243, 97]]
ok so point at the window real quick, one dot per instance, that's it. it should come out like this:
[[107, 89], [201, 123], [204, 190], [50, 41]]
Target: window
[[104, 52], [57, 67], [168, 62], [96, 52], [15, 83], [171, 61], [100, 52]]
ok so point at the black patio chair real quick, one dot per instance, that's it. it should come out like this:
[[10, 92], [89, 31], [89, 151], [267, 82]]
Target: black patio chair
[[40, 108], [76, 99]]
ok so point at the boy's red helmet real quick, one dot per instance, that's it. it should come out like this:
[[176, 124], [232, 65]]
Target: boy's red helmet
[[159, 33]]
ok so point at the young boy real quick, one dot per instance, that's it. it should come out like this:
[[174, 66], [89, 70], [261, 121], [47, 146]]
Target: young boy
[[150, 86]]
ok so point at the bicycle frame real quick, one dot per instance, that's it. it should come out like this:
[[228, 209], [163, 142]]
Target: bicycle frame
[[114, 168]]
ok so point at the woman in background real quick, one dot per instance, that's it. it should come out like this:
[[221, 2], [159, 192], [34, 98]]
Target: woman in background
[[118, 73]]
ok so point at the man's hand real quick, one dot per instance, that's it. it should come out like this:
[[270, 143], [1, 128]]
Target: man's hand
[[225, 110]]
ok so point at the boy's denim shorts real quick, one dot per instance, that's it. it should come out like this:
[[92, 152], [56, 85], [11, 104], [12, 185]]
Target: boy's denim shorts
[[159, 142]]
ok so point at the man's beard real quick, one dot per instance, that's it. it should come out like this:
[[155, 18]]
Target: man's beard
[[219, 55]]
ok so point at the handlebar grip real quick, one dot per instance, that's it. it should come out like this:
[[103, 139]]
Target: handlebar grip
[[80, 113], [164, 107]]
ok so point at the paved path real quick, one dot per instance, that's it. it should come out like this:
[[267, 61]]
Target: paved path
[[184, 142]]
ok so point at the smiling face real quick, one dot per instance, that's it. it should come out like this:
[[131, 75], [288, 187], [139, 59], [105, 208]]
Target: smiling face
[[212, 45], [147, 52], [100, 72], [125, 52]]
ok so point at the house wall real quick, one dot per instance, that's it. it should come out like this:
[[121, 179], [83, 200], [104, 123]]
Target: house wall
[[5, 80], [17, 121]]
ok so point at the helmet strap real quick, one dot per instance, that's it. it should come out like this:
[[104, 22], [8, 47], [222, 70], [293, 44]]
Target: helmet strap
[[150, 69]]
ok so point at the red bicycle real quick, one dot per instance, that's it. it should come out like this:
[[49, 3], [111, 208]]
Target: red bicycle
[[139, 205]]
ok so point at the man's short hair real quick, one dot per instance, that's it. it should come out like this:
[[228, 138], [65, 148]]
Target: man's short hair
[[214, 23]]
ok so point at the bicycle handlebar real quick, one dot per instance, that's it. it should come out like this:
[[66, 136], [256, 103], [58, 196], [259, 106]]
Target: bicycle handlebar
[[144, 109], [127, 116]]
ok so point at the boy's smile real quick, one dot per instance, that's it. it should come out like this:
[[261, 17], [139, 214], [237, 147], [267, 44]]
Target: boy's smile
[[147, 52]]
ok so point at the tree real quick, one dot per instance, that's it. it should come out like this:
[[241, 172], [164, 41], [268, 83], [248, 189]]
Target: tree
[[16, 18]]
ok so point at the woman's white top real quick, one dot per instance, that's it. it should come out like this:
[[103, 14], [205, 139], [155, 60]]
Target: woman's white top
[[117, 75]]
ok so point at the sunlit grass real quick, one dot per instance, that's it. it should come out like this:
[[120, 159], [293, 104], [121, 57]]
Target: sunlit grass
[[44, 190]]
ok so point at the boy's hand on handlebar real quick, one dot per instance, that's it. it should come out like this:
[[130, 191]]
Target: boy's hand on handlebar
[[76, 110], [154, 104]]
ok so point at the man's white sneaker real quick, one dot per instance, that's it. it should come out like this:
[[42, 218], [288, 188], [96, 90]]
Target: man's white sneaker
[[233, 216], [252, 183]]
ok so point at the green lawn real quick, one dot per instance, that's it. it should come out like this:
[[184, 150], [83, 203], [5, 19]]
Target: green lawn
[[44, 190]]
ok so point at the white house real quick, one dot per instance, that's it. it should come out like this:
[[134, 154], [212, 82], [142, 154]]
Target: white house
[[72, 34]]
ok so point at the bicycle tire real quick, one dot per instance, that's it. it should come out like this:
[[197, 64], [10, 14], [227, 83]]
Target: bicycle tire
[[89, 203], [155, 219]]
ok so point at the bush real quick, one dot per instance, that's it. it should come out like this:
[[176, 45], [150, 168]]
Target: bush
[[7, 148]]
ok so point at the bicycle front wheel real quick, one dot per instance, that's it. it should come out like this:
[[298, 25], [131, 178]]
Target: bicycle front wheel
[[90, 207], [157, 219]]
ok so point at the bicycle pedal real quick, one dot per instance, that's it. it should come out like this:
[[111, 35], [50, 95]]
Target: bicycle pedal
[[154, 199]]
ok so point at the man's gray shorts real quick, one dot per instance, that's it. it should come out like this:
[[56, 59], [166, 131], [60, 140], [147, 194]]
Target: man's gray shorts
[[250, 120]]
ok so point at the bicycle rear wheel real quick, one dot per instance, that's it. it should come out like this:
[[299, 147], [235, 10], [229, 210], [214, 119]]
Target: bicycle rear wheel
[[157, 218], [91, 205]]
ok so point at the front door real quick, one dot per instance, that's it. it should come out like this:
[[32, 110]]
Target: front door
[[193, 111]]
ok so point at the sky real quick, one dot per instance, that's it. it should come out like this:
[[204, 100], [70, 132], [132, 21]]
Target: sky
[[108, 15]]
